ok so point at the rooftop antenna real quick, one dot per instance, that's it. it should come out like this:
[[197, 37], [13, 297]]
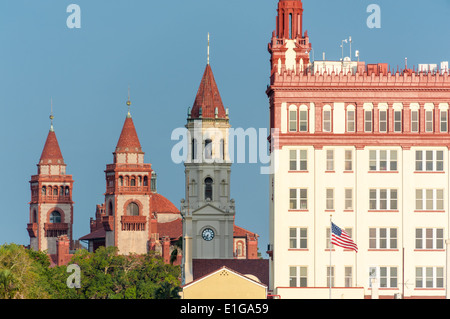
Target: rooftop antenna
[[51, 115], [357, 54], [342, 46], [350, 40]]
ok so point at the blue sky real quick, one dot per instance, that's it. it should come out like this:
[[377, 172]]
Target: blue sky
[[158, 48]]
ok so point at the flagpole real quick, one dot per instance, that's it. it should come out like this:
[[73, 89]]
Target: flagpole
[[331, 234]]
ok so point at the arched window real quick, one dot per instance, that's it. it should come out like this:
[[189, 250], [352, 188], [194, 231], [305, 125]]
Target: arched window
[[208, 188], [133, 181], [44, 190], [55, 217], [208, 149], [133, 209], [194, 149], [61, 191], [145, 181], [121, 180], [140, 181], [110, 209], [239, 249], [222, 149], [67, 191], [55, 191]]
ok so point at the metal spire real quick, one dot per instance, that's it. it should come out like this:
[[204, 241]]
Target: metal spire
[[51, 115], [128, 102]]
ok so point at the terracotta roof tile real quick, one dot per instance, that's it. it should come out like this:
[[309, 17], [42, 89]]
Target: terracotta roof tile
[[241, 232], [160, 204], [173, 229], [208, 97], [128, 140], [51, 152]]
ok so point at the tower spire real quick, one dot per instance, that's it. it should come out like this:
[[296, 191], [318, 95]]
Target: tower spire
[[51, 115], [208, 49], [128, 102]]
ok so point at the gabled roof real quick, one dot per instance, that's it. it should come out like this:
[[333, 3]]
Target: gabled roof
[[208, 98], [242, 232], [256, 267], [128, 140], [51, 154]]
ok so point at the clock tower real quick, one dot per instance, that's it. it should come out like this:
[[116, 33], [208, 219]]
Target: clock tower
[[208, 212]]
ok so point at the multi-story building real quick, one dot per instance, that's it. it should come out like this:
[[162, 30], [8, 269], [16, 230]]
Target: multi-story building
[[368, 147]]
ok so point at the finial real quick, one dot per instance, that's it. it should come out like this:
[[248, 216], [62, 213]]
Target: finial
[[51, 115], [128, 102], [208, 49]]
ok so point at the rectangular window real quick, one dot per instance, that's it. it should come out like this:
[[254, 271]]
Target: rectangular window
[[298, 160], [368, 121], [429, 277], [414, 121], [348, 199], [383, 199], [383, 160], [387, 277], [348, 160], [298, 276], [429, 238], [428, 121], [327, 121], [444, 121], [303, 121], [397, 121], [329, 198], [429, 199], [298, 198], [330, 160], [348, 276], [293, 121], [350, 121], [298, 238], [430, 161], [330, 276], [383, 121], [382, 238]]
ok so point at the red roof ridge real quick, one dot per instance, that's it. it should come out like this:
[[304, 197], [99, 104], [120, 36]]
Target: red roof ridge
[[242, 232]]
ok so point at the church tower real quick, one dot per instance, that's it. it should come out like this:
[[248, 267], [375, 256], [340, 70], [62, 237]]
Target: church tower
[[51, 205], [208, 210], [128, 222]]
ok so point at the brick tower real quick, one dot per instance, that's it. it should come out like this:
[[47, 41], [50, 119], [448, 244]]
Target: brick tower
[[51, 205], [128, 194]]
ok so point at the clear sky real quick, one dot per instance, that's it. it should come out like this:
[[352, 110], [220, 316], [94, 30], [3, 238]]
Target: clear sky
[[158, 48]]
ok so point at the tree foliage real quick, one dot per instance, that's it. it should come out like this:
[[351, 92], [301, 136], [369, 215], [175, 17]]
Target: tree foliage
[[105, 274]]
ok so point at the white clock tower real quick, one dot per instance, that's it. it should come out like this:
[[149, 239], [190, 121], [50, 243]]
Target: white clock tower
[[208, 212]]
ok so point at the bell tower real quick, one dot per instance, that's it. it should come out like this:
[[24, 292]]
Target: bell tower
[[51, 205], [208, 212], [289, 47], [128, 222]]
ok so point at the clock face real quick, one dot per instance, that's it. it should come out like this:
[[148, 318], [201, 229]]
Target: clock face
[[208, 234]]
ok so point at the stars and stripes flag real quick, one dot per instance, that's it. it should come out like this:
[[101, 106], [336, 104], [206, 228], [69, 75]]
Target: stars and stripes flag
[[340, 238]]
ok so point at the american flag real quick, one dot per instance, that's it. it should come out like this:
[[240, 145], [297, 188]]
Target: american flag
[[340, 238]]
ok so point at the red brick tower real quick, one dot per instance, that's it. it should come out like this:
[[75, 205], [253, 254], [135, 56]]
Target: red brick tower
[[128, 194], [51, 205]]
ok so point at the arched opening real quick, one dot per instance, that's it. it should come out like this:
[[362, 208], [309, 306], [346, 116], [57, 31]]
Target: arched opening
[[44, 190], [208, 188], [133, 209], [208, 149], [34, 216], [194, 149], [110, 209], [55, 217], [133, 181]]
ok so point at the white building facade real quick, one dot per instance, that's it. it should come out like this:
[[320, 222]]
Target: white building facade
[[369, 148]]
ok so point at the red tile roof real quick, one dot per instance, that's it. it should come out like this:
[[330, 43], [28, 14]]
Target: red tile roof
[[160, 204], [241, 232], [96, 234], [256, 267], [51, 152], [128, 140], [173, 229], [208, 97]]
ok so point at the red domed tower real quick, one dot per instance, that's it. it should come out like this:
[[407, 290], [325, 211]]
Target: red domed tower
[[51, 205]]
